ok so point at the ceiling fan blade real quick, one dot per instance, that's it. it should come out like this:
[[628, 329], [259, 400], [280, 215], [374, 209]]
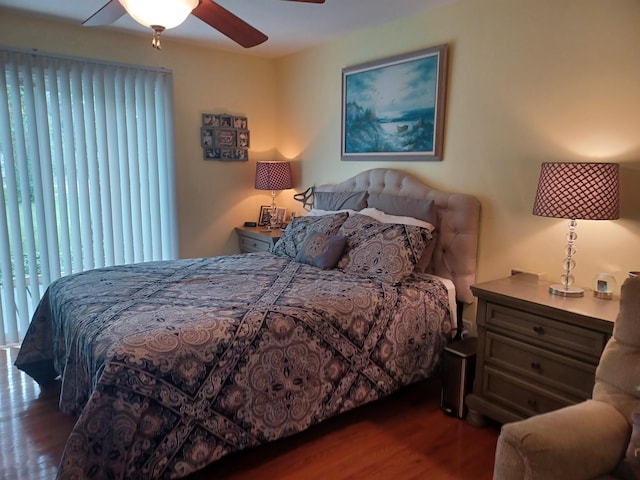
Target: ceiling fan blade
[[108, 14], [227, 23]]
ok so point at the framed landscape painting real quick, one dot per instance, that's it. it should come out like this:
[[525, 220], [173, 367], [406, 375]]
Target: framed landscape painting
[[393, 109]]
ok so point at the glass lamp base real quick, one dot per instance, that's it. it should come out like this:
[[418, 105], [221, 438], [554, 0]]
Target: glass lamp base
[[558, 289]]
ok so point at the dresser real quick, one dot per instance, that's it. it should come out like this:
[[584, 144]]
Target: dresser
[[537, 352], [257, 239]]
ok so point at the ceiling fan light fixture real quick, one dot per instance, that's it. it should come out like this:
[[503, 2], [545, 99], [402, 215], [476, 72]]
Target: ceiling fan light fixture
[[163, 13]]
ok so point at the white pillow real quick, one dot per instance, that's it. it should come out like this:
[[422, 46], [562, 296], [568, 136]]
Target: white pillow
[[316, 212], [387, 218]]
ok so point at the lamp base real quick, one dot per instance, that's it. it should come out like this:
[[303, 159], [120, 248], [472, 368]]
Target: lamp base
[[558, 289]]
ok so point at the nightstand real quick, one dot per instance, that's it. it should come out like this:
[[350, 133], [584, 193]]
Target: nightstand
[[537, 352], [257, 239]]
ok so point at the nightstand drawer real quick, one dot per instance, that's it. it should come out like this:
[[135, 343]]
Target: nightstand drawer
[[520, 396], [250, 244], [253, 239], [559, 372], [546, 331]]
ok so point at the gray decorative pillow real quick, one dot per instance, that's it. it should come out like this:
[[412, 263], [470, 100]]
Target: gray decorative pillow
[[321, 251], [295, 234], [384, 251], [404, 206], [629, 468], [339, 200]]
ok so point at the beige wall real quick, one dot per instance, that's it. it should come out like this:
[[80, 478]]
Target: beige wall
[[528, 82], [213, 197]]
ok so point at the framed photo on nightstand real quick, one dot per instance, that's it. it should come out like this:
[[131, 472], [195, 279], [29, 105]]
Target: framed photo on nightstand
[[265, 215]]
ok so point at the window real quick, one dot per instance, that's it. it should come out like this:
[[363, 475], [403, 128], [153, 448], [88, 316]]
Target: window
[[86, 163]]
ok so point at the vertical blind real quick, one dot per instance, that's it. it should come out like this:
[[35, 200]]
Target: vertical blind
[[87, 170]]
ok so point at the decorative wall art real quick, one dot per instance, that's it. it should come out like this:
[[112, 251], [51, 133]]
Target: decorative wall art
[[225, 137], [393, 109]]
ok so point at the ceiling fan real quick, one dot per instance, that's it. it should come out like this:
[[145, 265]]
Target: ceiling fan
[[165, 14]]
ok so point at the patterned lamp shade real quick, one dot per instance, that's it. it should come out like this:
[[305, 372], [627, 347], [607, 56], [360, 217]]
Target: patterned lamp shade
[[273, 176], [586, 191]]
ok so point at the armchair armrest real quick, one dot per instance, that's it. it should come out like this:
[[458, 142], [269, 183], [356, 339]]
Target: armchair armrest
[[579, 442]]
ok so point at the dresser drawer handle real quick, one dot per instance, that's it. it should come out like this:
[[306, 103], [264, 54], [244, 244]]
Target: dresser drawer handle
[[538, 329], [533, 404], [536, 366]]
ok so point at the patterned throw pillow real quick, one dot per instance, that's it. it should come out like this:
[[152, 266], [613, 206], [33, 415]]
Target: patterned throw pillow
[[629, 468], [384, 251], [297, 231], [321, 251], [425, 260]]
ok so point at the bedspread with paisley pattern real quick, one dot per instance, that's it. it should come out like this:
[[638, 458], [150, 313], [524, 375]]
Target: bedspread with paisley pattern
[[171, 365]]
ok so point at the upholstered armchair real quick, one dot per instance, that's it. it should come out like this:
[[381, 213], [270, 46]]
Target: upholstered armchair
[[590, 440]]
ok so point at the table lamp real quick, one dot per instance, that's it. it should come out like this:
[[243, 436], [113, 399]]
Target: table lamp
[[273, 176], [577, 191]]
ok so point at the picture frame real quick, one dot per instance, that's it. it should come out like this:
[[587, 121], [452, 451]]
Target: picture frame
[[225, 137], [265, 215], [240, 123], [207, 138], [226, 121], [240, 154], [211, 153], [281, 215], [226, 154], [210, 120], [243, 139], [400, 102]]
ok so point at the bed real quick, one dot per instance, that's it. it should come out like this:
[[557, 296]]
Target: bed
[[169, 366]]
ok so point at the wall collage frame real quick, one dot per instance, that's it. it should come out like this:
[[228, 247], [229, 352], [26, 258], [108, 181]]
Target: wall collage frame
[[225, 137]]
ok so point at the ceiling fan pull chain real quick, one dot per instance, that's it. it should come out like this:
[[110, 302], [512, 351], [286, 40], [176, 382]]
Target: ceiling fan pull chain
[[155, 42]]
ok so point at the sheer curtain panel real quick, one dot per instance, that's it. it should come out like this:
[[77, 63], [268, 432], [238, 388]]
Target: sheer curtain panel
[[87, 166]]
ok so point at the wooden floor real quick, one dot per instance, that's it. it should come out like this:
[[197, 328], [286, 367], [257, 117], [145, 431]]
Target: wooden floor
[[405, 436]]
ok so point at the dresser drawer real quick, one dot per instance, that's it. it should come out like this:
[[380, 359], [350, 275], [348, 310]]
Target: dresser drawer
[[519, 395], [543, 331], [250, 244], [539, 365]]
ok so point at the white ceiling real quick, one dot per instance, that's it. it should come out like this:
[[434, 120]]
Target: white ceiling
[[290, 26]]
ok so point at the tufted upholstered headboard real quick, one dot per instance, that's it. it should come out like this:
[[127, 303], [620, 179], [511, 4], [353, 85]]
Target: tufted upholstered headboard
[[458, 220]]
